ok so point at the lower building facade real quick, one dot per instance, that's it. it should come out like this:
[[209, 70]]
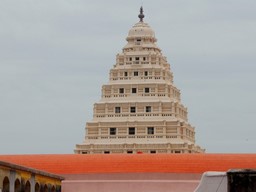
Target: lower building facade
[[16, 178]]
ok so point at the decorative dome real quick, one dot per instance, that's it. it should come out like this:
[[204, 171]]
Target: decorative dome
[[141, 29]]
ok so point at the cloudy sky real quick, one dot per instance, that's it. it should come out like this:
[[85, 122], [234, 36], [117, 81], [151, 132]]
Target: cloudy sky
[[56, 54]]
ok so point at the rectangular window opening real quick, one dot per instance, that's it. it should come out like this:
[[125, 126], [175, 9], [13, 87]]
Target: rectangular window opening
[[112, 131], [136, 73], [133, 109], [150, 130], [131, 130], [146, 89], [148, 108], [117, 109], [121, 90], [134, 90]]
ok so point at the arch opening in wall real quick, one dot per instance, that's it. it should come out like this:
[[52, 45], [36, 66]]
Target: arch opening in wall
[[37, 187], [45, 189], [58, 188], [17, 186], [27, 187], [53, 189], [6, 185]]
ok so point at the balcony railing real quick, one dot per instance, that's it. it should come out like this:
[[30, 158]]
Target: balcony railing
[[145, 146], [175, 136], [136, 77], [149, 114], [137, 94]]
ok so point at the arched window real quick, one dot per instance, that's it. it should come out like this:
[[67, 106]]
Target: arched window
[[17, 186], [53, 189], [45, 188], [6, 184], [37, 187], [27, 187]]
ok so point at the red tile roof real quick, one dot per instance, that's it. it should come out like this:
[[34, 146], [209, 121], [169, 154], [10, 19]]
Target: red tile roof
[[133, 163]]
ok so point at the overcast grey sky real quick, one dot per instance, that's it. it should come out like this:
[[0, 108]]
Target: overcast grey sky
[[56, 54]]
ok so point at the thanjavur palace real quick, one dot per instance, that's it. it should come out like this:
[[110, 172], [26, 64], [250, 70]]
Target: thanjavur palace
[[140, 110]]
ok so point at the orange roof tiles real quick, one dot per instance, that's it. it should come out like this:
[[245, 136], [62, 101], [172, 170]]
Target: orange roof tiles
[[133, 163]]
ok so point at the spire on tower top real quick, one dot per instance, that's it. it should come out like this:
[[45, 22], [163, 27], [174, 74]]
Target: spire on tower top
[[141, 15]]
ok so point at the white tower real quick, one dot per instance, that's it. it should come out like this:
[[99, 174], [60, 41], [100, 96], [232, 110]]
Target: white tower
[[140, 110]]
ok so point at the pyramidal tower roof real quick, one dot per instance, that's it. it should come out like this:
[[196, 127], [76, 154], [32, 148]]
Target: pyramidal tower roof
[[140, 110]]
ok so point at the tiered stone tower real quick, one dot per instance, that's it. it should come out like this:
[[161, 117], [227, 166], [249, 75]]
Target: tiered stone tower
[[140, 110]]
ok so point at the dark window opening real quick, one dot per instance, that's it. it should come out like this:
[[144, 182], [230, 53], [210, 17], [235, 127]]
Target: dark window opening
[[129, 151], [133, 109], [150, 130], [148, 108], [112, 131], [134, 90], [136, 73], [121, 90], [144, 58], [106, 152], [137, 58], [130, 58], [146, 73], [131, 130], [117, 109], [146, 90], [152, 151], [125, 73]]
